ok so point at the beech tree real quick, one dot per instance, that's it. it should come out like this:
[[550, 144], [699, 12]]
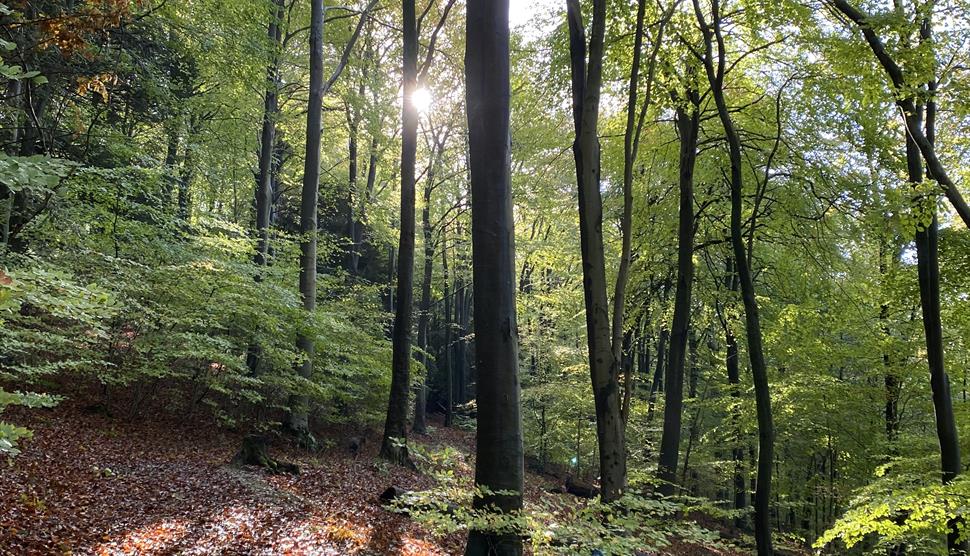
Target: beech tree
[[498, 443], [688, 123], [394, 443], [763, 198], [714, 59], [298, 416], [604, 365]]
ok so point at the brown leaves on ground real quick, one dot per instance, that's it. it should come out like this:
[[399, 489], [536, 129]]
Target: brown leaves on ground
[[87, 484]]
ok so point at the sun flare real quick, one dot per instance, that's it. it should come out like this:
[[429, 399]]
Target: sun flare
[[421, 99]]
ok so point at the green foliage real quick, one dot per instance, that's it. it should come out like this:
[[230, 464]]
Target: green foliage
[[551, 525], [10, 434], [900, 507], [128, 297]]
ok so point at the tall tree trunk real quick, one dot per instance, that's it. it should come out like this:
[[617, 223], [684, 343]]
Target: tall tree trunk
[[360, 212], [185, 178], [927, 257], [447, 324], [629, 375], [695, 368], [892, 383], [298, 417], [394, 443], [603, 364], [267, 147], [360, 215], [267, 139], [687, 126], [391, 306], [32, 142], [657, 385], [498, 443], [352, 257], [461, 324], [734, 384], [759, 370], [420, 404], [171, 160]]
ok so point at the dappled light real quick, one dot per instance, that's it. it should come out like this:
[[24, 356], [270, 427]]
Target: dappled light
[[484, 277]]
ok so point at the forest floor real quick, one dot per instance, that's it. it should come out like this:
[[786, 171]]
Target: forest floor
[[90, 484]]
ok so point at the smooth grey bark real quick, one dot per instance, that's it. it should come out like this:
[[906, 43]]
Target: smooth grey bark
[[688, 123], [499, 462], [298, 417], [604, 366]]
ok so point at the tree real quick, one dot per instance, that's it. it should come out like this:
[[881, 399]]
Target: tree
[[298, 416], [716, 70], [438, 139], [395, 426], [688, 123], [498, 444], [918, 105], [907, 104], [394, 443], [604, 365]]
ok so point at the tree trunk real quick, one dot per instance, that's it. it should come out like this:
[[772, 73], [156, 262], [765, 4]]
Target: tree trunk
[[267, 140], [927, 257], [759, 370], [352, 256], [687, 126], [263, 198], [360, 216], [447, 350], [498, 443], [657, 385], [463, 321], [298, 417], [186, 176], [734, 384], [394, 443], [171, 159], [629, 375], [420, 404], [603, 364]]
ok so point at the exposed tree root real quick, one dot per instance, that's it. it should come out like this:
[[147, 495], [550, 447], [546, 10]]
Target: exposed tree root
[[255, 451], [398, 454]]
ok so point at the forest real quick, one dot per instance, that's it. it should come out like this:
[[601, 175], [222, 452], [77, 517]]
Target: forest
[[484, 277]]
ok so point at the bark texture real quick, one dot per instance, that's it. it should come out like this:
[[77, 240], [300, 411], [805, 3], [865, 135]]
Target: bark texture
[[498, 444], [687, 126], [393, 445], [604, 366]]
